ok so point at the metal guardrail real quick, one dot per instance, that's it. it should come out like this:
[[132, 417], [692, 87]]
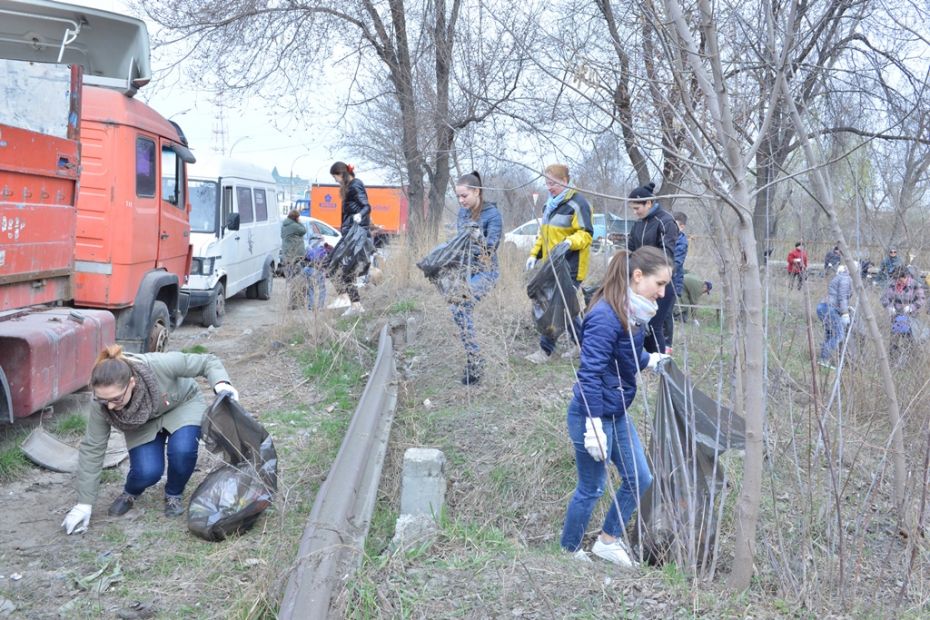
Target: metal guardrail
[[331, 547]]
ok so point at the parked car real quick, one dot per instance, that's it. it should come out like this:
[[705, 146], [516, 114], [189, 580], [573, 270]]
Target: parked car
[[331, 236], [617, 232], [524, 235]]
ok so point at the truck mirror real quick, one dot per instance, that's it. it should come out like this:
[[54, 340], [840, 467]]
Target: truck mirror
[[232, 221]]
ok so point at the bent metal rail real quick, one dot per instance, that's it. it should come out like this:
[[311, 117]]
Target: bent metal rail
[[332, 543]]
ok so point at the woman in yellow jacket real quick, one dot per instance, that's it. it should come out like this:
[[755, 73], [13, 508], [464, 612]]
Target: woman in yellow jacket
[[566, 219]]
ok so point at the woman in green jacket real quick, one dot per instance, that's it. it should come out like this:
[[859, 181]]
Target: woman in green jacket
[[154, 399]]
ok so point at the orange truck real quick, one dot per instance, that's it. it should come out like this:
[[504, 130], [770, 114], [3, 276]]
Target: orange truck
[[94, 232], [389, 206]]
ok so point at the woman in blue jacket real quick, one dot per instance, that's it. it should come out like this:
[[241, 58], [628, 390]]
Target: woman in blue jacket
[[483, 220], [611, 356]]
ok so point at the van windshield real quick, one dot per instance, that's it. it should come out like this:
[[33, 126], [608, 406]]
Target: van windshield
[[203, 205]]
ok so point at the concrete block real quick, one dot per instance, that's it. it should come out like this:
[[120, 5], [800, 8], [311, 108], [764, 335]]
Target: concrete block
[[413, 531], [423, 486]]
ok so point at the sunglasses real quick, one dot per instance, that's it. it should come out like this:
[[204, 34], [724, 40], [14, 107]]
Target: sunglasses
[[107, 401]]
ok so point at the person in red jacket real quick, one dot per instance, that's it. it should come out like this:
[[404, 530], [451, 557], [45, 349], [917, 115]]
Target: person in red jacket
[[797, 265]]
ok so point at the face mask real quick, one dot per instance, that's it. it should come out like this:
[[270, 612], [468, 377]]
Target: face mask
[[641, 309]]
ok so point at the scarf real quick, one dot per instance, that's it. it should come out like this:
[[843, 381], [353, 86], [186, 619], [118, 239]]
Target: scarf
[[142, 405], [554, 201], [641, 309]]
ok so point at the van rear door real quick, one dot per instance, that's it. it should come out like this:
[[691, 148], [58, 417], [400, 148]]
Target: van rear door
[[174, 225]]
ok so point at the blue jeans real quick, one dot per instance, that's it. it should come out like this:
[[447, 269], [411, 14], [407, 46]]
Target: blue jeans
[[316, 281], [147, 462], [833, 330], [626, 453], [547, 344], [479, 284]]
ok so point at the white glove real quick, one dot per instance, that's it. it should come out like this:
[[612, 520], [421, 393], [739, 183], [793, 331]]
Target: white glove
[[655, 359], [890, 310], [357, 218], [845, 319], [595, 441], [223, 386], [76, 521], [907, 309], [530, 263]]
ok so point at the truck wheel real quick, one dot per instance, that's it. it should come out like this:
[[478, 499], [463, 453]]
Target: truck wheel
[[159, 327], [264, 286], [251, 291], [215, 311]]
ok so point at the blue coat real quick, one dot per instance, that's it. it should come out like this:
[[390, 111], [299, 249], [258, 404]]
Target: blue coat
[[610, 360]]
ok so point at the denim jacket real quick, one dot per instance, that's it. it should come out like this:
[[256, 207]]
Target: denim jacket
[[491, 226]]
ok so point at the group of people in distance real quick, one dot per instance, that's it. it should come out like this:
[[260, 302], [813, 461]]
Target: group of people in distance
[[903, 296], [622, 331], [307, 260]]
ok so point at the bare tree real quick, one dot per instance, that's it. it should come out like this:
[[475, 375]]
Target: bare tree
[[249, 46]]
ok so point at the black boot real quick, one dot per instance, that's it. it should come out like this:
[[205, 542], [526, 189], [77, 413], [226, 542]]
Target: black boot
[[472, 374]]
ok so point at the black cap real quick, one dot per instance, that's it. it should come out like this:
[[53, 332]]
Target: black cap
[[643, 193]]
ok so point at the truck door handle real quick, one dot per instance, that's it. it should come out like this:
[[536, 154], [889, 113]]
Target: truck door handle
[[164, 235]]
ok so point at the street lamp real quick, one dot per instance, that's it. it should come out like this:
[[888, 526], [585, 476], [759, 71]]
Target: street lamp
[[291, 177], [237, 142]]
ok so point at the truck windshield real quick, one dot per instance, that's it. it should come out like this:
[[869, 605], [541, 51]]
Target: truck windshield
[[203, 205]]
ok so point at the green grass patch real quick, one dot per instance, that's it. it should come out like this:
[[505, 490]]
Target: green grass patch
[[334, 373], [13, 462], [197, 348], [70, 424], [402, 306]]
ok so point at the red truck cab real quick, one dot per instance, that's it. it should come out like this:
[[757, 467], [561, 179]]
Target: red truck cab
[[85, 258]]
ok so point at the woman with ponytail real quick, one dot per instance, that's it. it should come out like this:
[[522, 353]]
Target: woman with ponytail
[[357, 211], [154, 399], [611, 357], [483, 221]]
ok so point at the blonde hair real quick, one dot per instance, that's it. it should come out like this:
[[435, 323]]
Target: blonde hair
[[111, 368], [559, 171]]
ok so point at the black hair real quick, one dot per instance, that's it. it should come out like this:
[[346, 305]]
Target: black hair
[[644, 192]]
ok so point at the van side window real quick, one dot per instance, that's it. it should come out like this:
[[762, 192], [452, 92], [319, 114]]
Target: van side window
[[227, 202], [171, 180], [244, 200], [261, 208], [145, 167]]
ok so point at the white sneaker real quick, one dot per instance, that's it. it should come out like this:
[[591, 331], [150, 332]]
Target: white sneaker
[[354, 310], [538, 357], [573, 353], [615, 552], [582, 556]]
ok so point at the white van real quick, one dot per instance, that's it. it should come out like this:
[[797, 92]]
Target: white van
[[235, 234]]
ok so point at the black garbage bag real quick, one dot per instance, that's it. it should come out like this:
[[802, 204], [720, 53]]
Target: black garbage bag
[[352, 255], [232, 496], [678, 513], [552, 292], [450, 264]]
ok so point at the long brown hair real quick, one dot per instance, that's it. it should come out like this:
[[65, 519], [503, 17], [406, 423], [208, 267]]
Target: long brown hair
[[647, 259], [111, 368], [472, 180], [346, 173]]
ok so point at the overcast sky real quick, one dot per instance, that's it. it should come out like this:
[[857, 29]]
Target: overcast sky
[[249, 132]]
